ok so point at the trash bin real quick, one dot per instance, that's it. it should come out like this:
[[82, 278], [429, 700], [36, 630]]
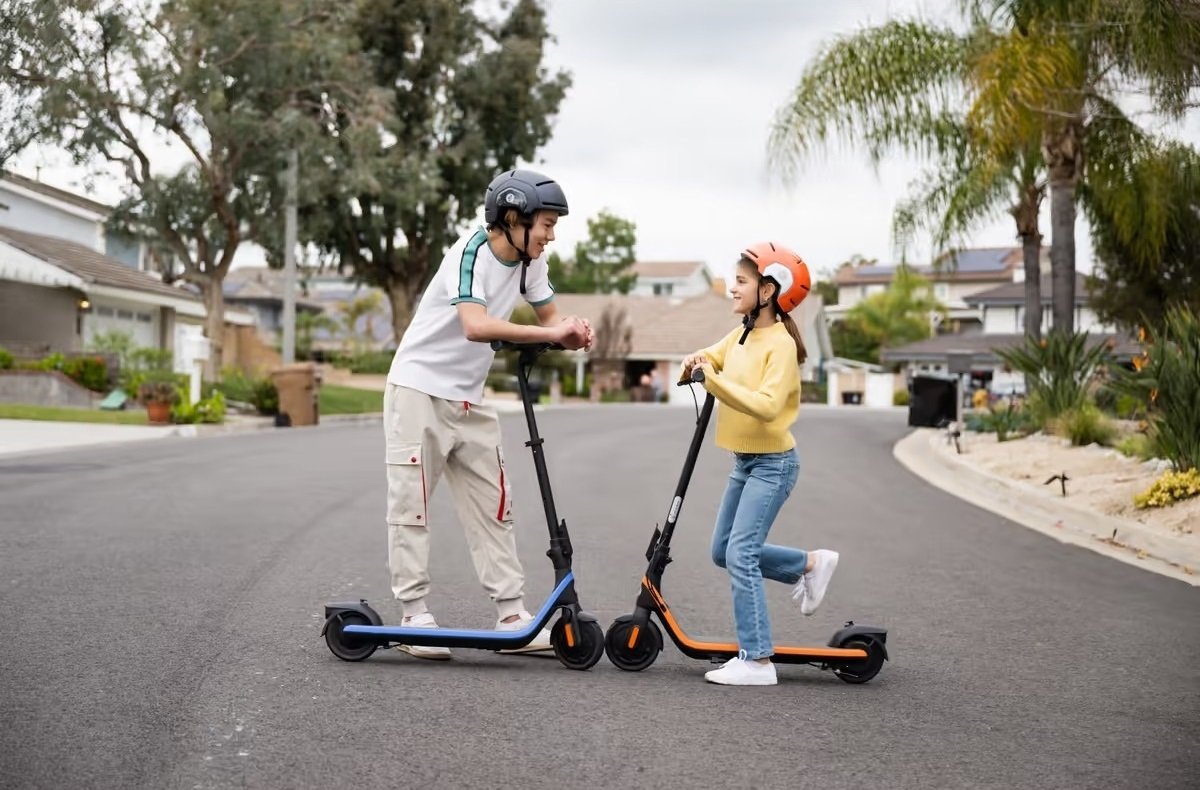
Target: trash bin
[[932, 402], [298, 386]]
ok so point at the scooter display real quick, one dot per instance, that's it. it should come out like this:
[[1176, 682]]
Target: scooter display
[[354, 630], [855, 653]]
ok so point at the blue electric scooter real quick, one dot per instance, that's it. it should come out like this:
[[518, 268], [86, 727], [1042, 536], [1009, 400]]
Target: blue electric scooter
[[353, 630]]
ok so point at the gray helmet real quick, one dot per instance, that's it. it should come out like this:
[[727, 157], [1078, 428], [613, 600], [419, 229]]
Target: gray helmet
[[524, 190]]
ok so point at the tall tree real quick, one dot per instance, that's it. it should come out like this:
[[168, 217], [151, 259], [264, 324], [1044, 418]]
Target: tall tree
[[602, 262], [1060, 70], [471, 97], [1140, 277], [909, 85], [231, 83]]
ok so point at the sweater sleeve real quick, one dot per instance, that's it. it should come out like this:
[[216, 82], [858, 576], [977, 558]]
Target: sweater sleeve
[[767, 401], [716, 352]]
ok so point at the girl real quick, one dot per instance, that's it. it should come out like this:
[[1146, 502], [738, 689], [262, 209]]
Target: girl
[[754, 372]]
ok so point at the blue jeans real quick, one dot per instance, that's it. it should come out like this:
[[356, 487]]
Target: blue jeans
[[758, 487]]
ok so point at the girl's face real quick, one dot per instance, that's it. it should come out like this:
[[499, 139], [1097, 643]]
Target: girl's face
[[746, 290]]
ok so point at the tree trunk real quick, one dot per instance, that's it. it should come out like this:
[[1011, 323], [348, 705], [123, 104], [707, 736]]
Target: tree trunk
[[1032, 248], [214, 327], [1063, 155], [402, 303]]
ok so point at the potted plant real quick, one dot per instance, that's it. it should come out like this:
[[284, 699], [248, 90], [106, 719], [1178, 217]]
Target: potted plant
[[159, 391]]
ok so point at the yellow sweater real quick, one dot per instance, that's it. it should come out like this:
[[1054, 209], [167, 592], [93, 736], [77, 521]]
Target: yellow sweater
[[758, 387]]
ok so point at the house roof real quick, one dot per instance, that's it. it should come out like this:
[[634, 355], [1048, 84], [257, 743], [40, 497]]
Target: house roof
[[262, 284], [665, 328], [669, 270], [1014, 293], [987, 263], [981, 345], [63, 195], [89, 265]]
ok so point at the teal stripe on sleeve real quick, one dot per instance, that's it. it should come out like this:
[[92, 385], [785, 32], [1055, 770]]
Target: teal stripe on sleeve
[[466, 266]]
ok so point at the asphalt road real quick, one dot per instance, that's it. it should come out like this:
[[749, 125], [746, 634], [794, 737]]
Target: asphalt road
[[161, 605]]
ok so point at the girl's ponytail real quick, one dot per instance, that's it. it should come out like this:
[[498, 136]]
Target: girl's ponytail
[[794, 331]]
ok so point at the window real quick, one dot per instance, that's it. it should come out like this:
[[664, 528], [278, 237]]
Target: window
[[107, 312], [145, 318], [663, 289], [126, 315], [941, 292]]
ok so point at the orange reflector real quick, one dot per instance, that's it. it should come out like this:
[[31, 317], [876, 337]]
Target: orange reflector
[[633, 635], [570, 632]]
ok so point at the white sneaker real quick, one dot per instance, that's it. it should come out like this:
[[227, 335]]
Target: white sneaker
[[540, 643], [423, 620], [739, 672], [816, 581], [800, 593]]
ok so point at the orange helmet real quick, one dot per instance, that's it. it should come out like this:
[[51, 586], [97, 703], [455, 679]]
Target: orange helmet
[[785, 268]]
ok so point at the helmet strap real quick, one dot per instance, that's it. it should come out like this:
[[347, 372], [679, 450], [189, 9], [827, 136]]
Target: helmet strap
[[522, 251]]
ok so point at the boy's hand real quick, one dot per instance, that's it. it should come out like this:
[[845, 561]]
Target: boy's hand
[[574, 333]]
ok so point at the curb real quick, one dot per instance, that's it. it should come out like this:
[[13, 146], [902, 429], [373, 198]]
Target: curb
[[1119, 538]]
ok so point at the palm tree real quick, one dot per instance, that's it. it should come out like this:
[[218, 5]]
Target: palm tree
[[908, 85], [1058, 71]]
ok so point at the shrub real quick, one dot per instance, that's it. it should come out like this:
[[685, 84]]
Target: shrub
[[1004, 420], [207, 410], [1136, 445], [90, 372], [900, 398], [1087, 425], [1166, 377], [378, 362], [6, 359], [1172, 487], [1058, 369], [259, 392]]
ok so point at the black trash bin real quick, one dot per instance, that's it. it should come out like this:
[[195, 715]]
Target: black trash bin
[[933, 402]]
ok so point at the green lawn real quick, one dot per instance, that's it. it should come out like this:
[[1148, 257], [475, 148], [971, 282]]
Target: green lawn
[[22, 411], [348, 400]]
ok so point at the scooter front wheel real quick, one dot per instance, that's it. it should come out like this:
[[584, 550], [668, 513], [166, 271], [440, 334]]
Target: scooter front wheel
[[345, 646], [581, 646], [863, 670], [631, 647]]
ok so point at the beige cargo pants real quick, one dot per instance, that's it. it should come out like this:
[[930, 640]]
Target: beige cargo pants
[[426, 437]]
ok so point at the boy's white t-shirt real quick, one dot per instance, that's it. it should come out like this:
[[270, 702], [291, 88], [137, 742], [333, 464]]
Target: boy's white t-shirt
[[434, 355]]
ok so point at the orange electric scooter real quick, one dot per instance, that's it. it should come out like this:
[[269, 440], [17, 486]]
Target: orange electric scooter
[[855, 653]]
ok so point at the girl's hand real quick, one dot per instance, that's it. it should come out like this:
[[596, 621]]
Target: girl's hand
[[691, 361]]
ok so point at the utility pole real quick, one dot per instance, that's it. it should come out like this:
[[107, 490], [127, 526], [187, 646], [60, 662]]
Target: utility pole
[[289, 260]]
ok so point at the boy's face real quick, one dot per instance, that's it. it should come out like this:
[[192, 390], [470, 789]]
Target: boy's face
[[542, 232]]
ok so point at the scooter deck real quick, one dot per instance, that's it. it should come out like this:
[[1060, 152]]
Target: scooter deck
[[488, 639], [784, 654]]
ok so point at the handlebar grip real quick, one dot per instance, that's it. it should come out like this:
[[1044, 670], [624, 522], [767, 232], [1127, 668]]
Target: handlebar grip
[[697, 378]]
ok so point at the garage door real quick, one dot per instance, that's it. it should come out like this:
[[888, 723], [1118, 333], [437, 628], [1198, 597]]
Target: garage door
[[140, 322]]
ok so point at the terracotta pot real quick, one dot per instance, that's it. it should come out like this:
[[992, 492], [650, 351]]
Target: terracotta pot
[[158, 412]]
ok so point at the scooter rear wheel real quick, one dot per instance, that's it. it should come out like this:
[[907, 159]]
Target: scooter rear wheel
[[647, 644], [865, 669], [588, 644], [345, 646]]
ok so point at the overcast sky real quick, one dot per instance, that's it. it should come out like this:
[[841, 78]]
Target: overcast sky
[[667, 121], [668, 118]]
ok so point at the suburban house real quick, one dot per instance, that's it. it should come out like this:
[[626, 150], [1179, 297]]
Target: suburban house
[[678, 279], [64, 280], [663, 331], [260, 290], [1000, 325], [954, 277]]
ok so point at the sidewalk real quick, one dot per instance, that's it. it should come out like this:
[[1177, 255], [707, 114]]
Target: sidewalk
[[24, 437], [925, 454]]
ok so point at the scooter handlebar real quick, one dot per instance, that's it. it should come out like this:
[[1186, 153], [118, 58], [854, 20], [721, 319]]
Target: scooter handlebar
[[696, 378], [506, 345]]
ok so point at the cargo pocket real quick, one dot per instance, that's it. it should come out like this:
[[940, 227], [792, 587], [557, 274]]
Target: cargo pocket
[[406, 485], [504, 509]]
